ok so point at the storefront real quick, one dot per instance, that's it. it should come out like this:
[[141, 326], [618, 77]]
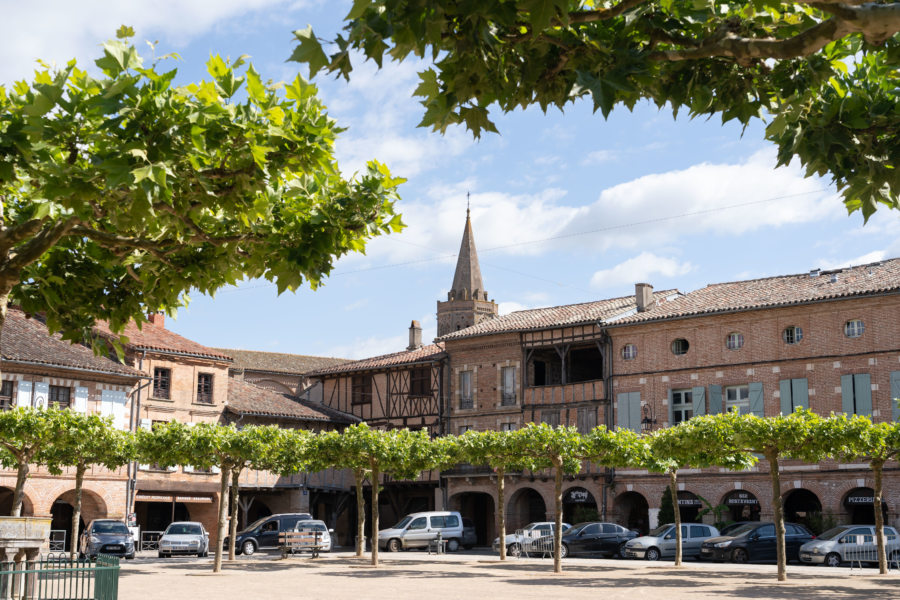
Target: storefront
[[742, 506]]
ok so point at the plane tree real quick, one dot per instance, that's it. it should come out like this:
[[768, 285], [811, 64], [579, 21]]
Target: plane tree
[[824, 73], [27, 436]]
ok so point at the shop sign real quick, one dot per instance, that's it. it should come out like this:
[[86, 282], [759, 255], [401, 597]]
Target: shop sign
[[578, 496], [741, 499]]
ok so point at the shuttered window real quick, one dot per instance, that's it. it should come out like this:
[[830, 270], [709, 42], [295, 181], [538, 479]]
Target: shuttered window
[[361, 389], [856, 394], [794, 395], [420, 381], [681, 405], [628, 411], [6, 395], [508, 386], [587, 420], [162, 381], [895, 395], [60, 396], [205, 388], [550, 417], [465, 390]]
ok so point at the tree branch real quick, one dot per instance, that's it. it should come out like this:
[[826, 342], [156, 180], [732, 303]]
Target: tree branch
[[10, 236], [603, 14], [32, 250]]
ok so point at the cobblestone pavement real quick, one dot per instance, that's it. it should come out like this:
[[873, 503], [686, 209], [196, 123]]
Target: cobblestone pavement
[[471, 576]]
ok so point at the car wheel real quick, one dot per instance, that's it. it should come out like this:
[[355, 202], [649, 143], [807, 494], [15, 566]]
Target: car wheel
[[833, 560], [452, 545], [161, 555], [739, 555], [248, 547], [514, 550], [394, 545], [652, 554], [129, 557], [620, 553], [563, 551]]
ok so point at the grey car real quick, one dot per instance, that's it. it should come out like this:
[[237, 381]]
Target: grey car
[[660, 543], [184, 537], [849, 543], [106, 536]]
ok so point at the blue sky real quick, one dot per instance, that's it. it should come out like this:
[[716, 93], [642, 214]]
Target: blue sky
[[566, 207]]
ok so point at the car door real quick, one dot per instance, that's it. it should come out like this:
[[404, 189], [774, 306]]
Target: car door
[[698, 533], [609, 539], [668, 541], [417, 533], [761, 544], [588, 540], [268, 534], [852, 543]]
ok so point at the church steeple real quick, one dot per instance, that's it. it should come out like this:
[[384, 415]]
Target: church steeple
[[467, 301]]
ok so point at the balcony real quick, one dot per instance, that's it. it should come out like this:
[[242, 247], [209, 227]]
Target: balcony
[[570, 393], [508, 399], [466, 403]]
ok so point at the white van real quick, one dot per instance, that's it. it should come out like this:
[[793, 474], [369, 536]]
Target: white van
[[417, 529]]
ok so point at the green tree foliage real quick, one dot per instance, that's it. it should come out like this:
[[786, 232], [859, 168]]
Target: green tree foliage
[[666, 507], [27, 437], [119, 194], [823, 73]]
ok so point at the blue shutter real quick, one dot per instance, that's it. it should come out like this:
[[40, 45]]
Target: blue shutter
[[847, 394], [757, 402], [895, 394], [862, 387], [800, 393], [699, 397], [671, 410], [715, 399], [787, 404], [622, 411], [634, 421]]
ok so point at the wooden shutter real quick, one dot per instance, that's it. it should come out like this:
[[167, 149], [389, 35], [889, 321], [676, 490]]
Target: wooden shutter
[[113, 404], [634, 410], [622, 411], [787, 403], [23, 394], [862, 387], [715, 399], [81, 400], [698, 394], [895, 395], [671, 409], [146, 425], [847, 404], [41, 392], [800, 393], [757, 400]]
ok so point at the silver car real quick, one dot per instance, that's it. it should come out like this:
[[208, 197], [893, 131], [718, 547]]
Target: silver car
[[518, 541], [184, 537], [660, 543], [849, 543]]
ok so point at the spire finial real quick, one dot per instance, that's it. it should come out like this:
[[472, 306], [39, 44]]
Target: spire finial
[[467, 205]]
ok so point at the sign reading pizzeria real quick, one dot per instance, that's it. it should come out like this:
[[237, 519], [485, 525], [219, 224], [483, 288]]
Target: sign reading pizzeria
[[860, 496]]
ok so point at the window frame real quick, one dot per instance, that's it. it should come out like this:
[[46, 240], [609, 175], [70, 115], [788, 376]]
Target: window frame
[[734, 340], [56, 390], [854, 328], [158, 373], [629, 352], [420, 382], [205, 396], [508, 396], [796, 334], [466, 400], [7, 401], [741, 403], [678, 344], [360, 389], [686, 405]]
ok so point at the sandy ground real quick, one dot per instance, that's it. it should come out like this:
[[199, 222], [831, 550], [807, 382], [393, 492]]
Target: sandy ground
[[339, 575]]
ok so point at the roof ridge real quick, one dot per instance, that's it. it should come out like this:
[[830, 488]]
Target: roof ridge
[[805, 273]]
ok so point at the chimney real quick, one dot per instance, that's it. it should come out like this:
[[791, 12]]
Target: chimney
[[158, 319], [643, 295], [415, 336]]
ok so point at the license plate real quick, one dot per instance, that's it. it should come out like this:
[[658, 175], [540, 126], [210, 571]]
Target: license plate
[[705, 551]]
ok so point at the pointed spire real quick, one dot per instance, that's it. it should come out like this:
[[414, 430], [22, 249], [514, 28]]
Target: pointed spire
[[467, 279]]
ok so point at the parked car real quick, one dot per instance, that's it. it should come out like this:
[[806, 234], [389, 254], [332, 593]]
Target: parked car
[[184, 537], [607, 539], [515, 541], [755, 542], [846, 543], [470, 537], [727, 529], [319, 527], [418, 529], [106, 536], [660, 543], [264, 532]]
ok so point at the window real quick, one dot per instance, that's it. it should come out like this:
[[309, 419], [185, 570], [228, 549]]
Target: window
[[587, 420], [205, 388], [794, 394], [465, 390], [592, 529], [361, 389], [59, 396], [698, 531], [680, 346], [856, 394], [420, 381], [508, 386], [508, 427], [419, 523], [682, 405], [463, 429], [737, 396], [854, 328], [162, 380], [792, 335], [6, 400], [550, 417], [734, 341], [629, 352], [628, 411]]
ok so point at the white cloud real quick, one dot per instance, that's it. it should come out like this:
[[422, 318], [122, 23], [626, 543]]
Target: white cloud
[[364, 347], [644, 267], [600, 156], [504, 308]]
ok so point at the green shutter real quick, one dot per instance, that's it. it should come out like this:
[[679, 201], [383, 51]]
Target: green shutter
[[787, 404], [757, 401], [862, 387], [622, 411], [635, 411], [715, 399], [671, 410], [847, 394], [895, 395], [698, 395], [800, 393]]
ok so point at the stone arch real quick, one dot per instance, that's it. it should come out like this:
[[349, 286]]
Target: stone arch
[[6, 503], [801, 506], [478, 507], [525, 505], [578, 503], [632, 511], [743, 505], [857, 506]]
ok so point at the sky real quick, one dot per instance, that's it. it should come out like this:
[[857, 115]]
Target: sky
[[566, 207]]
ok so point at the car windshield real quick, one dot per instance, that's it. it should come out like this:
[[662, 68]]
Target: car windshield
[[832, 533], [183, 529], [110, 527], [743, 529], [403, 523], [660, 531], [255, 524]]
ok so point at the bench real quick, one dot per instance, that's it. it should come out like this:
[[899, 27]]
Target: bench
[[302, 540]]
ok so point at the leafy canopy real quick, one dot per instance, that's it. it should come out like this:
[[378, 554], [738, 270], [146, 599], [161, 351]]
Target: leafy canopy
[[824, 72]]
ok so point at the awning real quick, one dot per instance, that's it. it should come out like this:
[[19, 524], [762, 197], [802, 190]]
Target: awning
[[688, 500]]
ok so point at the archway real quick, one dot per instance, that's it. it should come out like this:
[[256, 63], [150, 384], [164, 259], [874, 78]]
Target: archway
[[579, 506], [525, 506], [632, 511], [155, 515], [6, 503], [479, 508], [859, 504], [689, 506], [63, 511], [61, 525], [802, 506], [252, 509], [742, 506]]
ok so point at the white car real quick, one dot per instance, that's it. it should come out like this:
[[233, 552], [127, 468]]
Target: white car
[[184, 537], [516, 543]]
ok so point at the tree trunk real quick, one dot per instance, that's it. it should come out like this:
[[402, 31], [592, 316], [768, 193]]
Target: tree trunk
[[673, 488], [19, 494], [233, 509], [4, 301], [772, 457], [374, 534], [501, 511], [76, 512], [557, 533], [360, 476], [223, 506], [877, 467]]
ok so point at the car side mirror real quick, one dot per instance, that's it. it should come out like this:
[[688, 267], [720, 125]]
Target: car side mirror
[[843, 540], [331, 531], [753, 537], [669, 536]]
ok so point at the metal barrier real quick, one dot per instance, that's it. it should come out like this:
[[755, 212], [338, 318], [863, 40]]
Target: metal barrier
[[57, 540], [150, 540], [858, 549], [534, 542], [58, 578]]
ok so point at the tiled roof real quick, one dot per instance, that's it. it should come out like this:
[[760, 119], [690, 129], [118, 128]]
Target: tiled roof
[[27, 340], [554, 316], [784, 290], [154, 337], [278, 362], [423, 354], [250, 399]]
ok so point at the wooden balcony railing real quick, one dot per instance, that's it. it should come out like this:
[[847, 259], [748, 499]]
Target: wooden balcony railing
[[582, 391]]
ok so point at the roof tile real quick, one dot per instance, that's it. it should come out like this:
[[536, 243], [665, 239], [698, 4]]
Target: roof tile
[[278, 362], [248, 398], [423, 354], [154, 337]]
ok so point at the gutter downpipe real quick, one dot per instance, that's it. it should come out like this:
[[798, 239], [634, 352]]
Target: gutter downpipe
[[131, 488], [606, 340]]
